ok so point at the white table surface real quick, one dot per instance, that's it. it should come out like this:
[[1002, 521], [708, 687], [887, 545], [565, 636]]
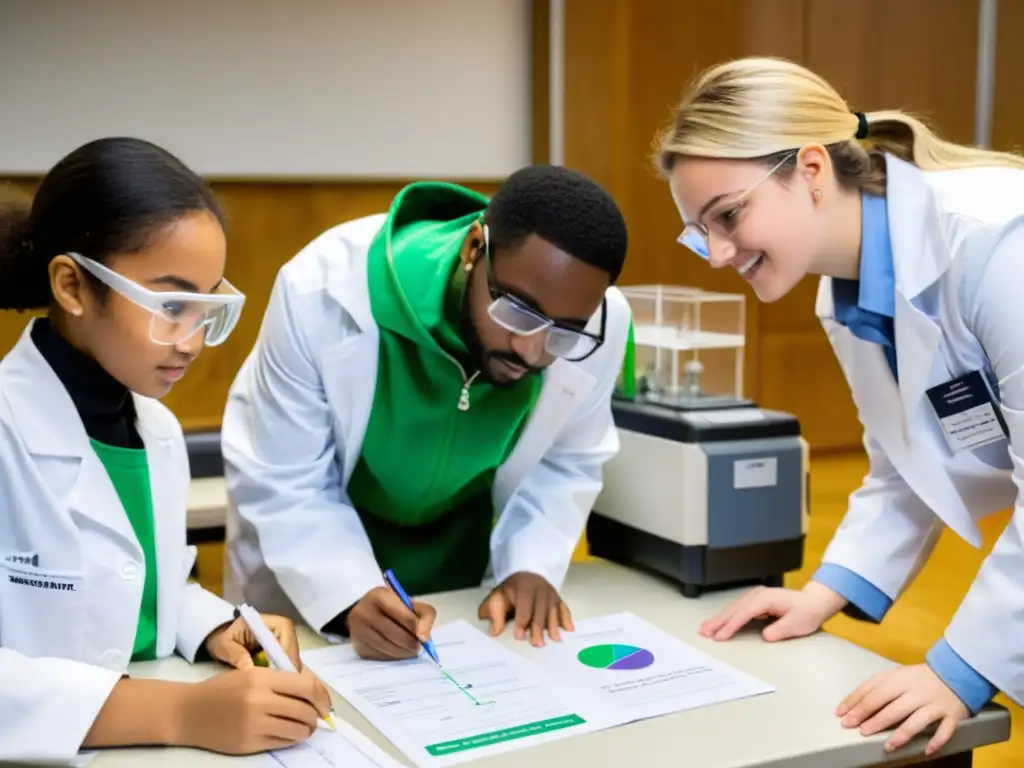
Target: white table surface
[[794, 727], [207, 503]]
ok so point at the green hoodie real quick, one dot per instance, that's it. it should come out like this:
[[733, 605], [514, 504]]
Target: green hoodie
[[422, 484]]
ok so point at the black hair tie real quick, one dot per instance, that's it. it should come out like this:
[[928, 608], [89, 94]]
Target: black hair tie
[[862, 126]]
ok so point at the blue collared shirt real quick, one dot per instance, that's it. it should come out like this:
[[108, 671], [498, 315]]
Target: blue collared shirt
[[867, 307]]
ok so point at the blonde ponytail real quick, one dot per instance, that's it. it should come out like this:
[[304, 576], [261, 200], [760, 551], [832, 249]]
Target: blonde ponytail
[[908, 138], [759, 108]]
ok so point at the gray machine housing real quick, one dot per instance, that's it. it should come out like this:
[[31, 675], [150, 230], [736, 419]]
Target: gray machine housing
[[706, 496]]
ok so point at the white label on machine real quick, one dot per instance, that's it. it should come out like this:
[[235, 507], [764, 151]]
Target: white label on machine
[[729, 415], [755, 473]]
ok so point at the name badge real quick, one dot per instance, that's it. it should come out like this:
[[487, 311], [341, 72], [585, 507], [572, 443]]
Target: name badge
[[59, 585], [27, 558], [968, 412]]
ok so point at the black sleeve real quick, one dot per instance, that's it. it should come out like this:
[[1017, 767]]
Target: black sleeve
[[339, 624]]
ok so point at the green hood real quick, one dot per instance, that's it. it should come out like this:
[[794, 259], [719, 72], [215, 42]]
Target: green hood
[[416, 284], [436, 434]]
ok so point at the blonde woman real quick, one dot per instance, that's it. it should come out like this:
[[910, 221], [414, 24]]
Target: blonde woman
[[920, 247]]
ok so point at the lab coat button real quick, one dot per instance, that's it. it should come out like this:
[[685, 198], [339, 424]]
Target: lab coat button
[[130, 571], [112, 659]]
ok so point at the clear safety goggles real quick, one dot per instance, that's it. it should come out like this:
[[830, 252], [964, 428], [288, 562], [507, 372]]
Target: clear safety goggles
[[176, 315], [695, 235], [517, 317]]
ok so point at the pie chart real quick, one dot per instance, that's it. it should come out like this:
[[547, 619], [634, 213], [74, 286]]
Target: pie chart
[[615, 656]]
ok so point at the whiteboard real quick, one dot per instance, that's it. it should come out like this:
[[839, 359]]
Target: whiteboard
[[389, 89]]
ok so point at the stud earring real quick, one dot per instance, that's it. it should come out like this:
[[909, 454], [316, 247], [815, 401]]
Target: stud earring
[[817, 194], [468, 266]]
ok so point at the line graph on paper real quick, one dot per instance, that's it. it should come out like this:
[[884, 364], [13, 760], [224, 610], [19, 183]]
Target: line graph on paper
[[330, 749], [305, 756], [465, 690], [485, 698]]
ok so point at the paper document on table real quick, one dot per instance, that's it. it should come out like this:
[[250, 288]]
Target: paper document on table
[[80, 760], [344, 748], [638, 671], [495, 701]]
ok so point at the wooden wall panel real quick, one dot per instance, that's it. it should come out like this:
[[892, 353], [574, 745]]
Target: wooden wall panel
[[1008, 112], [540, 81], [13, 323], [269, 223], [670, 44], [916, 55], [11, 326], [627, 63], [801, 375], [597, 119]]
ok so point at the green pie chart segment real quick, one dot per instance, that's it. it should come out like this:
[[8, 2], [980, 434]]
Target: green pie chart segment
[[615, 656]]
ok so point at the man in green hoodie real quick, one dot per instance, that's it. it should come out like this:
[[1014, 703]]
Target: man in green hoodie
[[430, 393]]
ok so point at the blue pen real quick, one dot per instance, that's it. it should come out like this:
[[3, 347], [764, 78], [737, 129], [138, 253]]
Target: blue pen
[[428, 646]]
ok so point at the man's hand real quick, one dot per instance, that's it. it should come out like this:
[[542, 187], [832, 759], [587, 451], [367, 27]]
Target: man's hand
[[534, 604], [913, 697], [235, 643], [382, 628]]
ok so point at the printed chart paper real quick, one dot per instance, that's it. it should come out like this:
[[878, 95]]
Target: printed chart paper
[[636, 671], [344, 748], [495, 701]]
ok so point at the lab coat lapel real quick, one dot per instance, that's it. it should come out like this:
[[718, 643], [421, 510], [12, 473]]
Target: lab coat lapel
[[94, 497], [43, 409], [866, 369], [870, 373], [917, 339], [880, 408], [565, 385], [350, 367], [51, 427], [168, 482], [350, 379], [920, 257]]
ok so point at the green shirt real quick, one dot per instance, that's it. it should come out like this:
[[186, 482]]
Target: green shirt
[[128, 469], [423, 482]]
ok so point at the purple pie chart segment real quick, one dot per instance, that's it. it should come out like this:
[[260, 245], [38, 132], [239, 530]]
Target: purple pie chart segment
[[616, 656], [638, 660]]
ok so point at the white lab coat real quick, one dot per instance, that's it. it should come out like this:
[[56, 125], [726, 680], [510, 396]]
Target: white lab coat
[[294, 426], [63, 650], [958, 252]]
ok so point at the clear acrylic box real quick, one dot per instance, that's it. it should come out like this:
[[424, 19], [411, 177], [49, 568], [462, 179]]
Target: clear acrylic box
[[687, 346]]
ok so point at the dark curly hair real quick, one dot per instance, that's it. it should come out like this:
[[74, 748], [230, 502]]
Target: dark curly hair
[[564, 207]]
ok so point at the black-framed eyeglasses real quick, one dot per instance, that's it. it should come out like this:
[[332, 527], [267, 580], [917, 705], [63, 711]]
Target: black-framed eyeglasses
[[515, 316]]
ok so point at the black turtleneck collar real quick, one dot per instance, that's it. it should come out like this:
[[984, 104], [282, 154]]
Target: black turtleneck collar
[[104, 404]]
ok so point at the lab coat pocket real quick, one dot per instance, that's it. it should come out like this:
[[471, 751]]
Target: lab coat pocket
[[40, 610]]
